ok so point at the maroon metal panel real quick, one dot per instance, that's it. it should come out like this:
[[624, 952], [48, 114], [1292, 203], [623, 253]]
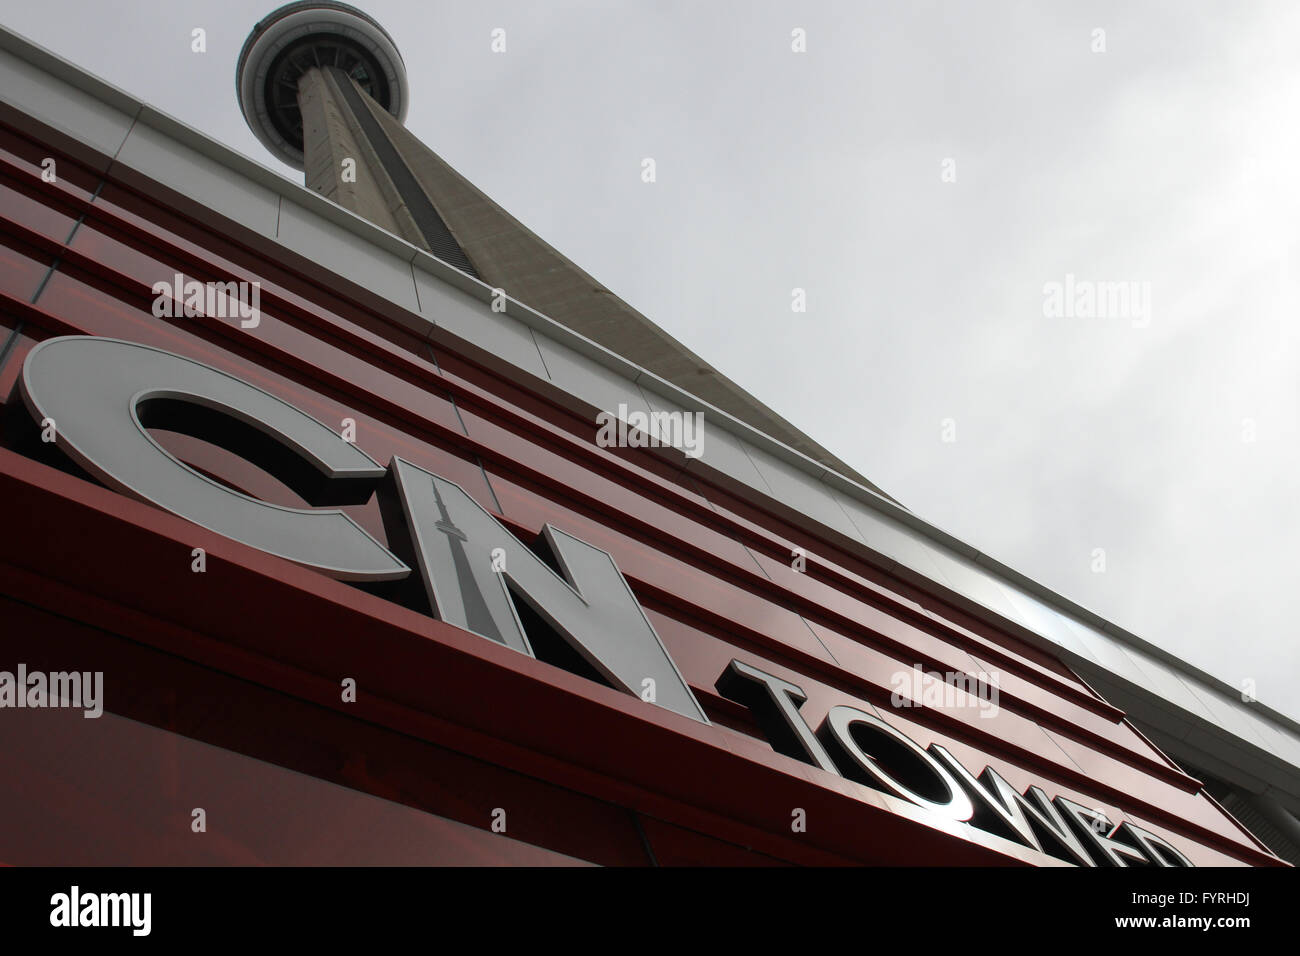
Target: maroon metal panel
[[711, 569], [280, 781]]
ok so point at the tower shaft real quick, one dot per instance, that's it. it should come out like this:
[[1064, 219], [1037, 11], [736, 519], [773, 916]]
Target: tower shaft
[[351, 158], [323, 86]]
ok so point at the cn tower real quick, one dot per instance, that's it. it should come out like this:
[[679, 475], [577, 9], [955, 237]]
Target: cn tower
[[324, 88]]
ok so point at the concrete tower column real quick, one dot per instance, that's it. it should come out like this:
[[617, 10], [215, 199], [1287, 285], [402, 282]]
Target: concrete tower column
[[320, 83], [312, 78]]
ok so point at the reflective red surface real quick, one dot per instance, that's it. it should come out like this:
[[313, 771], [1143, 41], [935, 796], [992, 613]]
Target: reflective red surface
[[226, 683]]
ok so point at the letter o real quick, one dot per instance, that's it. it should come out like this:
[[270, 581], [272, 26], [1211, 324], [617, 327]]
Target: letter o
[[943, 794]]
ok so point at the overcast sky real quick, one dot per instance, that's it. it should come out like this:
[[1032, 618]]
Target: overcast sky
[[1165, 435]]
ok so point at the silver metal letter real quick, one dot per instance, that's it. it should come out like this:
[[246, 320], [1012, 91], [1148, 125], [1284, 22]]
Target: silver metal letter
[[943, 794], [95, 388], [475, 570]]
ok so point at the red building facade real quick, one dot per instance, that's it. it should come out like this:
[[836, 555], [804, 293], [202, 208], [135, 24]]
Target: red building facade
[[229, 735]]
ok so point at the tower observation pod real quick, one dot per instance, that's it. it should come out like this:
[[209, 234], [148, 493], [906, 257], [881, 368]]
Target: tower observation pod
[[290, 49]]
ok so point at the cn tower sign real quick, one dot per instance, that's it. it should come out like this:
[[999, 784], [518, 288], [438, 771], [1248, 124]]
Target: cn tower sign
[[98, 396]]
